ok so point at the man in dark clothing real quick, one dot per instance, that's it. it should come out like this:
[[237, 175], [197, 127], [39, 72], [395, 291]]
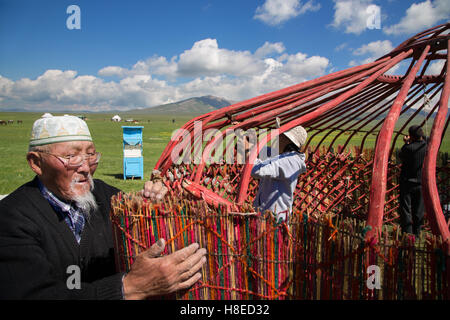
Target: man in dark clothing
[[411, 204], [37, 248], [55, 233]]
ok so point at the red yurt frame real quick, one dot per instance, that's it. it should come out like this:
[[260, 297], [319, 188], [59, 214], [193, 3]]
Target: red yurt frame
[[359, 107]]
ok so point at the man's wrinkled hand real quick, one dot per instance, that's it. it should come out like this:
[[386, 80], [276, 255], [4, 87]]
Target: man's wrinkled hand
[[154, 275], [154, 190]]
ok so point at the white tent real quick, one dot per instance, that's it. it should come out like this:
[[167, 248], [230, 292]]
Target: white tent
[[46, 115], [116, 118]]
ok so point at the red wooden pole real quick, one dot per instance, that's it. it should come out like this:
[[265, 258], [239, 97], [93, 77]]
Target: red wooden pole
[[381, 156], [330, 86], [244, 105], [430, 191], [327, 106]]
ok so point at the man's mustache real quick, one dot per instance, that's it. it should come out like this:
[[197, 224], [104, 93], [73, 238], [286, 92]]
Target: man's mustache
[[78, 179]]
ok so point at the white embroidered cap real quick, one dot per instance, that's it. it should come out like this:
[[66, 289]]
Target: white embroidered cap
[[53, 129]]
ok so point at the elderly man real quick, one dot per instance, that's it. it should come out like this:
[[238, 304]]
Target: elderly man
[[278, 175], [58, 223]]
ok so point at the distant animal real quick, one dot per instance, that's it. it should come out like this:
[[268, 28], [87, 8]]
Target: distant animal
[[173, 120], [3, 122], [10, 121], [19, 121]]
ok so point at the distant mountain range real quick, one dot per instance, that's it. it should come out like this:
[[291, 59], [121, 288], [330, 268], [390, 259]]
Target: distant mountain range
[[196, 105]]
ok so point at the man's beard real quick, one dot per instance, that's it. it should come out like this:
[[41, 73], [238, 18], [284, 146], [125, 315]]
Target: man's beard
[[85, 202]]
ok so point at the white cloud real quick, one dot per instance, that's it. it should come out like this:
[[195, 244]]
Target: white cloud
[[201, 70], [162, 66], [274, 12], [269, 48], [56, 88], [352, 15], [341, 47], [300, 65], [435, 67], [154, 65], [376, 48], [371, 52], [5, 86], [420, 16], [113, 71], [206, 58]]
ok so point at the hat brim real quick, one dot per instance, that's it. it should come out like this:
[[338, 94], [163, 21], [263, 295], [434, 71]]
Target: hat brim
[[292, 139]]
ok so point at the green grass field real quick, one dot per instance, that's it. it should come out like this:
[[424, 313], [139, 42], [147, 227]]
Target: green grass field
[[107, 136]]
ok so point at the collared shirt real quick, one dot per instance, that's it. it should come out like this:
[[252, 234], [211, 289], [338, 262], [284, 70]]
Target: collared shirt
[[71, 214], [277, 181]]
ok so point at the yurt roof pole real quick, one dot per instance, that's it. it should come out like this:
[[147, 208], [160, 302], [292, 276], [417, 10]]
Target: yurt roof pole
[[407, 122], [430, 191], [331, 86], [383, 145], [265, 98], [358, 117], [327, 106]]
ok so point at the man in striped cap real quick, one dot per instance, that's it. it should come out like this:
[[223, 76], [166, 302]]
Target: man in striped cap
[[56, 235]]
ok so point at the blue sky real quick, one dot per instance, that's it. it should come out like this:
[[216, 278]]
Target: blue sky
[[138, 53]]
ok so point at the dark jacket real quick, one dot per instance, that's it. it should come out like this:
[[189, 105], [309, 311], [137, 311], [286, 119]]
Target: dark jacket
[[37, 247], [412, 156]]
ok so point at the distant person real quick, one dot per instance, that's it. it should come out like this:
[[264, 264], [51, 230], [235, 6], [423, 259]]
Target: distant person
[[278, 175], [412, 155], [59, 222]]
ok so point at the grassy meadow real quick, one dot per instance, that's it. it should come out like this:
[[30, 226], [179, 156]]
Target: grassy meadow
[[107, 136]]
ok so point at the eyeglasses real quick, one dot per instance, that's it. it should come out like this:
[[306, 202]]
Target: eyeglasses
[[74, 162]]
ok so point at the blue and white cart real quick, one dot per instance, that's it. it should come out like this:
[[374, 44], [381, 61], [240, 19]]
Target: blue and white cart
[[133, 160]]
